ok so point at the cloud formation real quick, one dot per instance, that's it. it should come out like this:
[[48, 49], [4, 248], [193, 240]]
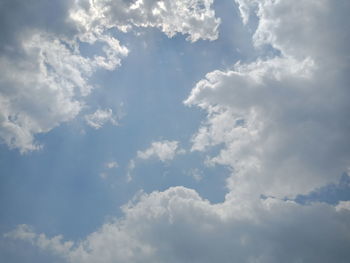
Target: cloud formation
[[282, 120], [100, 118], [41, 89], [162, 150], [284, 129], [45, 77], [195, 19], [177, 225]]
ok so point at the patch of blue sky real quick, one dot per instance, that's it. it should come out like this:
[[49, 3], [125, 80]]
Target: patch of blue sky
[[185, 170], [331, 194]]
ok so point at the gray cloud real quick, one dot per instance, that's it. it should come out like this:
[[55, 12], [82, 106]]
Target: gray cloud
[[163, 150]]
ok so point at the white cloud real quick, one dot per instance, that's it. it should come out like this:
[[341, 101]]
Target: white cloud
[[40, 90], [54, 245], [43, 88], [343, 205], [162, 150], [44, 77], [282, 120], [284, 130], [100, 118], [193, 18], [44, 82], [178, 226]]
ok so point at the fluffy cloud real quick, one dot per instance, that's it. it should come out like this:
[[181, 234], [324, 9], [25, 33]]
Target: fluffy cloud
[[44, 76], [162, 150], [193, 18], [179, 226], [43, 87], [295, 29], [282, 120], [283, 125]]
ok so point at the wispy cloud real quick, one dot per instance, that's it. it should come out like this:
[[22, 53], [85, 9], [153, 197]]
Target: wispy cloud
[[100, 118]]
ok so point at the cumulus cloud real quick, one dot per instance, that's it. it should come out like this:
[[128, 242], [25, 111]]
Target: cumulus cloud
[[177, 225], [44, 76], [44, 79], [162, 150], [193, 18], [42, 88], [283, 125], [100, 118], [282, 120]]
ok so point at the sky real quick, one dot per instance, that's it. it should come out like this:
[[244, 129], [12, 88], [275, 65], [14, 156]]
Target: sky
[[174, 131]]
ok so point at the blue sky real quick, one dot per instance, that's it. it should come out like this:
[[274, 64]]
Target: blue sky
[[209, 131]]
